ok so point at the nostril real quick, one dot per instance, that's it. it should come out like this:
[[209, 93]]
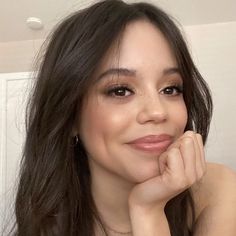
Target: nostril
[[152, 113]]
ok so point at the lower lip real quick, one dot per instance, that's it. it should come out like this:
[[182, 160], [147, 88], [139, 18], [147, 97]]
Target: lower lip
[[152, 147]]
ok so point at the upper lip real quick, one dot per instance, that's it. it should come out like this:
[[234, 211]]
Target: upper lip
[[153, 138]]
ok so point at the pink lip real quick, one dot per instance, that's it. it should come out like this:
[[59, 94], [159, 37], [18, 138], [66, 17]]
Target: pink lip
[[152, 143]]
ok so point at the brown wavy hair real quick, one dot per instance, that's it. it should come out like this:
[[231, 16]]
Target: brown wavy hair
[[54, 195]]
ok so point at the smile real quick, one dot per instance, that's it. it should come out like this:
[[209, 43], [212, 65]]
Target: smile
[[152, 143]]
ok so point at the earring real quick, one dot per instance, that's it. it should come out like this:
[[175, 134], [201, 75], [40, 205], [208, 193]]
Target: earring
[[76, 140]]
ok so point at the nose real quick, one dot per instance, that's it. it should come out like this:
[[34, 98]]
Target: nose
[[152, 109]]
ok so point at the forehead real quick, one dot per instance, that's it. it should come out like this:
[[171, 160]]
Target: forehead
[[141, 44]]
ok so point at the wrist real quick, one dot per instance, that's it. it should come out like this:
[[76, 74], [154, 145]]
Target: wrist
[[149, 213], [148, 210], [149, 222]]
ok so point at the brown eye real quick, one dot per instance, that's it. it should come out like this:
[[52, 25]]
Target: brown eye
[[119, 91], [172, 90]]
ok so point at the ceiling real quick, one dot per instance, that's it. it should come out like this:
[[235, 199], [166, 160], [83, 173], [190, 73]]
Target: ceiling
[[13, 14]]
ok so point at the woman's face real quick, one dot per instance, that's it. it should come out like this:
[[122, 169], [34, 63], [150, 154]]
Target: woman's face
[[144, 99]]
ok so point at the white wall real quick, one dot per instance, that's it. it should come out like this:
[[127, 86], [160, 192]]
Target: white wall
[[18, 56], [214, 51]]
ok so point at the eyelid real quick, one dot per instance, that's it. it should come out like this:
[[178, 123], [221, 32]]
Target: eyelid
[[111, 88], [119, 85], [173, 84], [178, 87]]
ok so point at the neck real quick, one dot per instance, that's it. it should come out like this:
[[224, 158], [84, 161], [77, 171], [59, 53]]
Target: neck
[[110, 193]]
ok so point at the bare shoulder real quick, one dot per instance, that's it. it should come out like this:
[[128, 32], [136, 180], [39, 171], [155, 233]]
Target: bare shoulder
[[218, 184], [215, 200]]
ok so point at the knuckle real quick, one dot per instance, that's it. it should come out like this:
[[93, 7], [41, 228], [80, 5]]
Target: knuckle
[[190, 134], [187, 140], [200, 174], [181, 183], [191, 181], [199, 136]]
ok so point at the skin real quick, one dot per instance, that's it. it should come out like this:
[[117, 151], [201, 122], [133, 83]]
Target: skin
[[139, 182]]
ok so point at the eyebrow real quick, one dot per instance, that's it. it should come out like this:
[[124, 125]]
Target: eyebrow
[[132, 73]]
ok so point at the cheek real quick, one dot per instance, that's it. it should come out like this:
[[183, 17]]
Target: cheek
[[100, 124], [180, 117]]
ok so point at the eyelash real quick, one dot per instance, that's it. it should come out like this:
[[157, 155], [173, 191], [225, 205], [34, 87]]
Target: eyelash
[[177, 88], [113, 89]]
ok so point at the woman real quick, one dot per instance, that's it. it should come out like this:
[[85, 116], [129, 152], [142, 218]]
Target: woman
[[115, 133]]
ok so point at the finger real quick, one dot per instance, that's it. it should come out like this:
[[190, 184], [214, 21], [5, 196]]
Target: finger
[[176, 170], [176, 143], [199, 167], [162, 162], [202, 156], [171, 161], [188, 152], [175, 162], [199, 150], [172, 175]]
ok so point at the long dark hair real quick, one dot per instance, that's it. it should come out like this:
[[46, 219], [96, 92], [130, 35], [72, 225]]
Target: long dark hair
[[54, 195]]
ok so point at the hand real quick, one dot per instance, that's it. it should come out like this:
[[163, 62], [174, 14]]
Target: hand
[[181, 165]]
